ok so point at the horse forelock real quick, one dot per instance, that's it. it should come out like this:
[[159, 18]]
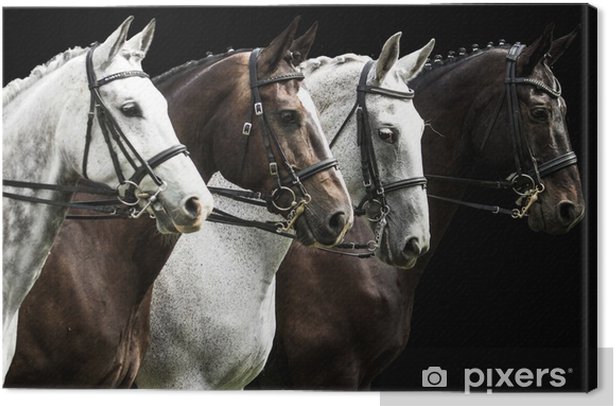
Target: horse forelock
[[17, 86]]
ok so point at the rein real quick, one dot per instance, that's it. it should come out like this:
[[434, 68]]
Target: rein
[[526, 184], [127, 194]]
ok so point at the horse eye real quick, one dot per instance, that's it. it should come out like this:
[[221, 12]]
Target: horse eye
[[540, 113], [288, 116], [131, 109], [388, 135]]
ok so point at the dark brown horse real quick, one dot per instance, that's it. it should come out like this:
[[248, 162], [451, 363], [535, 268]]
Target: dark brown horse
[[341, 321], [85, 323]]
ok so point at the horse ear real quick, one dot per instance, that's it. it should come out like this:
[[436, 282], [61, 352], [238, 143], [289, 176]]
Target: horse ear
[[113, 44], [278, 48], [413, 63], [140, 43], [536, 52], [389, 57], [302, 45], [560, 45]]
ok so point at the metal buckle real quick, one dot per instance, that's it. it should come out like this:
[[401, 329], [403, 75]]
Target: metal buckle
[[273, 168], [246, 129], [258, 109]]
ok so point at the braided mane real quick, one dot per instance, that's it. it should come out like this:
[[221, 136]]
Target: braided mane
[[313, 64], [209, 60], [453, 57]]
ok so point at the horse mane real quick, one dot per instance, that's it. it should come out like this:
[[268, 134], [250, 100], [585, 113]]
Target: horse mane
[[453, 58], [313, 64], [209, 60], [17, 86]]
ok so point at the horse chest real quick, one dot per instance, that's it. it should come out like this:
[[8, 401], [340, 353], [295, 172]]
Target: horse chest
[[213, 315]]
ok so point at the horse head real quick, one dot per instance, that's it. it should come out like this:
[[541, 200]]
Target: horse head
[[279, 148], [532, 137], [380, 151], [129, 121]]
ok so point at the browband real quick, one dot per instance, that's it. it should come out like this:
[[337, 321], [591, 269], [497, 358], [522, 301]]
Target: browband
[[119, 75]]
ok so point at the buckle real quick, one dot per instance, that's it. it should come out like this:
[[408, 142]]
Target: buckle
[[258, 109], [273, 168], [246, 129]]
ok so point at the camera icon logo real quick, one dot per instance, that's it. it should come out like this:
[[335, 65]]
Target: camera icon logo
[[434, 377]]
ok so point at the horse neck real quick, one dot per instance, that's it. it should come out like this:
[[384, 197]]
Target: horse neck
[[34, 147], [446, 99], [333, 90], [33, 152], [199, 99]]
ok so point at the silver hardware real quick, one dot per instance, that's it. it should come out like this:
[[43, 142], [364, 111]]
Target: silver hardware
[[522, 184], [273, 169], [258, 109], [246, 129], [123, 187], [279, 192]]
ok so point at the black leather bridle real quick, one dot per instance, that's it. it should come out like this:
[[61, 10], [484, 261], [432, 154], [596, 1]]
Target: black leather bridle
[[375, 199], [526, 181], [127, 194], [283, 186]]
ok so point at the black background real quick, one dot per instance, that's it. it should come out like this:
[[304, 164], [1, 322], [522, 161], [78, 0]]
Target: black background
[[493, 285]]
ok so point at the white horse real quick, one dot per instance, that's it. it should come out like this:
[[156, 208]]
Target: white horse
[[213, 316], [44, 127]]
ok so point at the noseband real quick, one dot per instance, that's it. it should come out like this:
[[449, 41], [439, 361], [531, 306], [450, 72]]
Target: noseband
[[525, 182], [127, 192], [375, 199]]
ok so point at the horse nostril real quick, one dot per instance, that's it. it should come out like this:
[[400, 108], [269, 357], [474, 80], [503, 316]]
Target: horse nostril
[[192, 207], [337, 222], [414, 248], [566, 212]]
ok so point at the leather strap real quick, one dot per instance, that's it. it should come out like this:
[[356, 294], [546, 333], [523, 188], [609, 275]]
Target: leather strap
[[521, 144], [112, 134]]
